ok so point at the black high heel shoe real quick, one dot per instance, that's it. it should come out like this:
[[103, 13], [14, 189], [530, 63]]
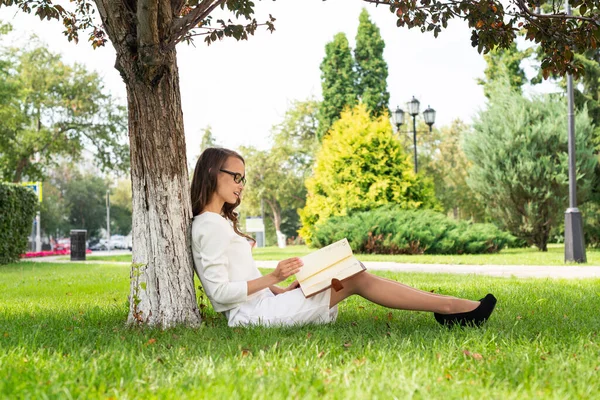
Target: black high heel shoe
[[475, 317]]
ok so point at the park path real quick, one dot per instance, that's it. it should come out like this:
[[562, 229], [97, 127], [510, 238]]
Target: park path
[[519, 271]]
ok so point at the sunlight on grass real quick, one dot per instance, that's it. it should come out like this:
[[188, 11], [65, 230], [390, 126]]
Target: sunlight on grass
[[62, 335]]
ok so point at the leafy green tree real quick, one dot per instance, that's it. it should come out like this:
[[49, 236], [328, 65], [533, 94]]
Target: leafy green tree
[[297, 135], [361, 166], [518, 151], [53, 112], [121, 207], [445, 162], [503, 63], [208, 139], [54, 212], [85, 198], [371, 68], [277, 176], [338, 82], [272, 181]]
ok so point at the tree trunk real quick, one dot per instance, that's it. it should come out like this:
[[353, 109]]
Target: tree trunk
[[162, 289], [276, 214], [276, 210]]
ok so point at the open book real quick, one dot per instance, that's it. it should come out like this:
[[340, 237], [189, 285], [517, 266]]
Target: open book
[[326, 267]]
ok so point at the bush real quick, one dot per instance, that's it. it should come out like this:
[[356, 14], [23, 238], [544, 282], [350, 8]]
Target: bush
[[392, 230], [17, 209]]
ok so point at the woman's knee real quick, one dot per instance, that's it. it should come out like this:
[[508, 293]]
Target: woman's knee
[[359, 281]]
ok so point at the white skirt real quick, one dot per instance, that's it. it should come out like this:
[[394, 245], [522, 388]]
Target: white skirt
[[286, 309]]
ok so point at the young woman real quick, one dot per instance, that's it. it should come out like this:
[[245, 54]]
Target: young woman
[[223, 261]]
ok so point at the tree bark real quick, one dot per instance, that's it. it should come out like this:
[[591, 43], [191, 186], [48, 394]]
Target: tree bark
[[162, 289]]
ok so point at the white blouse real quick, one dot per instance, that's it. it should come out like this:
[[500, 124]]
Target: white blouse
[[223, 261]]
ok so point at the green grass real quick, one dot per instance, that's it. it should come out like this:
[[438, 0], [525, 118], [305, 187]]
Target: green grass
[[530, 256], [62, 335]]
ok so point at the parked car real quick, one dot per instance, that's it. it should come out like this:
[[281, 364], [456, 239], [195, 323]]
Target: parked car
[[63, 244], [98, 245], [118, 242], [129, 241]]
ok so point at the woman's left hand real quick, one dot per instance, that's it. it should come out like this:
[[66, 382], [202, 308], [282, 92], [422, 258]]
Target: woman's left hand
[[279, 290], [293, 285]]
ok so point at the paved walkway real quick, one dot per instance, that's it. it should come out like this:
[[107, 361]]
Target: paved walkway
[[519, 271]]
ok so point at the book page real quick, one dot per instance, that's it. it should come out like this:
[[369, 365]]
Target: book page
[[324, 278], [324, 258]]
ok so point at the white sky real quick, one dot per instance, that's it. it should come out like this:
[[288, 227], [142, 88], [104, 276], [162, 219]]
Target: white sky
[[243, 88]]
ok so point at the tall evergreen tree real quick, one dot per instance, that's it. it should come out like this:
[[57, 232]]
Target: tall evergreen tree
[[518, 152], [371, 68], [504, 64], [338, 80]]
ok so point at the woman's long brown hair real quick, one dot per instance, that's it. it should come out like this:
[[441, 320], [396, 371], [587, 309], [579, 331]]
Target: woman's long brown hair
[[204, 183]]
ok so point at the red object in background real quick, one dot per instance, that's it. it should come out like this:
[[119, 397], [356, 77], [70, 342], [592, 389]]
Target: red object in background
[[63, 244], [32, 254]]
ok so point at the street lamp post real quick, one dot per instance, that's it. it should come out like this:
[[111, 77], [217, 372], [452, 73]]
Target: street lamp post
[[574, 240], [413, 110]]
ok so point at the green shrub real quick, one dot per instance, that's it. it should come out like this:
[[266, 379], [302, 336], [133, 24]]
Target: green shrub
[[392, 230], [17, 208]]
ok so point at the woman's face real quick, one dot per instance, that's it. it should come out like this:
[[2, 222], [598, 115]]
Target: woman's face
[[227, 189]]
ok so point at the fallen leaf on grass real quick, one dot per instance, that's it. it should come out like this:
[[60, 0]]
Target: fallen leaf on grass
[[476, 356], [353, 324], [246, 352], [390, 316], [359, 361], [519, 317], [320, 354], [347, 344], [150, 341], [308, 335]]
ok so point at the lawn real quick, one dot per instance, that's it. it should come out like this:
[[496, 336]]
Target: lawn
[[62, 335], [531, 256]]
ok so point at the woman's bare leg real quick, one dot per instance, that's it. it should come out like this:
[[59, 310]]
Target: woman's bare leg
[[393, 294], [412, 288]]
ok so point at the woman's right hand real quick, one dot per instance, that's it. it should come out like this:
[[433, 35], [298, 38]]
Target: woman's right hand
[[287, 268]]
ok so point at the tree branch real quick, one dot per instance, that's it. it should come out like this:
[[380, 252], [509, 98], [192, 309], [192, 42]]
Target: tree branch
[[520, 4], [523, 7], [188, 22]]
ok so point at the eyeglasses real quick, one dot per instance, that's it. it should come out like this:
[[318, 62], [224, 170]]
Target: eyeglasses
[[237, 177]]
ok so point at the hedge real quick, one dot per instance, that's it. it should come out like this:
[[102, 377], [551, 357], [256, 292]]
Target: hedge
[[18, 205], [391, 230]]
